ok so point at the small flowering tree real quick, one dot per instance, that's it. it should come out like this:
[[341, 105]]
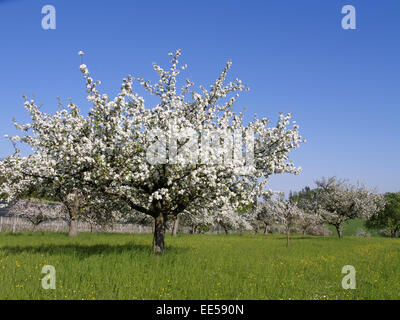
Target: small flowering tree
[[309, 223], [200, 220], [36, 211], [287, 212], [265, 214], [337, 201], [103, 212], [230, 220], [62, 154], [223, 217], [140, 219]]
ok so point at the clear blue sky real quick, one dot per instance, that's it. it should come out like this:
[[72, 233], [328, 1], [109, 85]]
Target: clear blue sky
[[342, 86]]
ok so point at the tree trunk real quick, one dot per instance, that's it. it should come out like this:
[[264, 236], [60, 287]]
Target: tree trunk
[[73, 208], [339, 231], [159, 233], [393, 233], [175, 226], [265, 228], [287, 238], [224, 227], [14, 224], [73, 228]]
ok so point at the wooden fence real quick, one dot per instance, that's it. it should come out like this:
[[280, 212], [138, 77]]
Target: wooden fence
[[15, 224]]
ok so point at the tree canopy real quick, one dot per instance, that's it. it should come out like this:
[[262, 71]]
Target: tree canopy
[[189, 152]]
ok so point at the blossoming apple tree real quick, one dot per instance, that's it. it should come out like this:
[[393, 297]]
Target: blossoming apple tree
[[188, 152], [36, 211], [286, 212], [150, 157], [62, 153], [337, 201], [263, 215], [223, 217]]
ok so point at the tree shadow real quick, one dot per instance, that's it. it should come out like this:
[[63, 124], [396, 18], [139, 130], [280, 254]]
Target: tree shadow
[[83, 251], [295, 238]]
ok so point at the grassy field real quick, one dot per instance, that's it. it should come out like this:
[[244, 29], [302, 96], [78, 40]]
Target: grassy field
[[121, 266]]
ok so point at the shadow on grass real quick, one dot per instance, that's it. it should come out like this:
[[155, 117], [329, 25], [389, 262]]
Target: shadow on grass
[[293, 238], [83, 251]]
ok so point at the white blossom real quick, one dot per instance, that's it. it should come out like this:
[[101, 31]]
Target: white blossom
[[104, 154]]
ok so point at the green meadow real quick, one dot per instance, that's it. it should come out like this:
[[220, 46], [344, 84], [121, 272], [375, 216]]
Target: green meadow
[[122, 266]]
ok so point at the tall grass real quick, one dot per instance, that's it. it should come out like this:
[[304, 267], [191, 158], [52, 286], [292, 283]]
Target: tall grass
[[121, 266]]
